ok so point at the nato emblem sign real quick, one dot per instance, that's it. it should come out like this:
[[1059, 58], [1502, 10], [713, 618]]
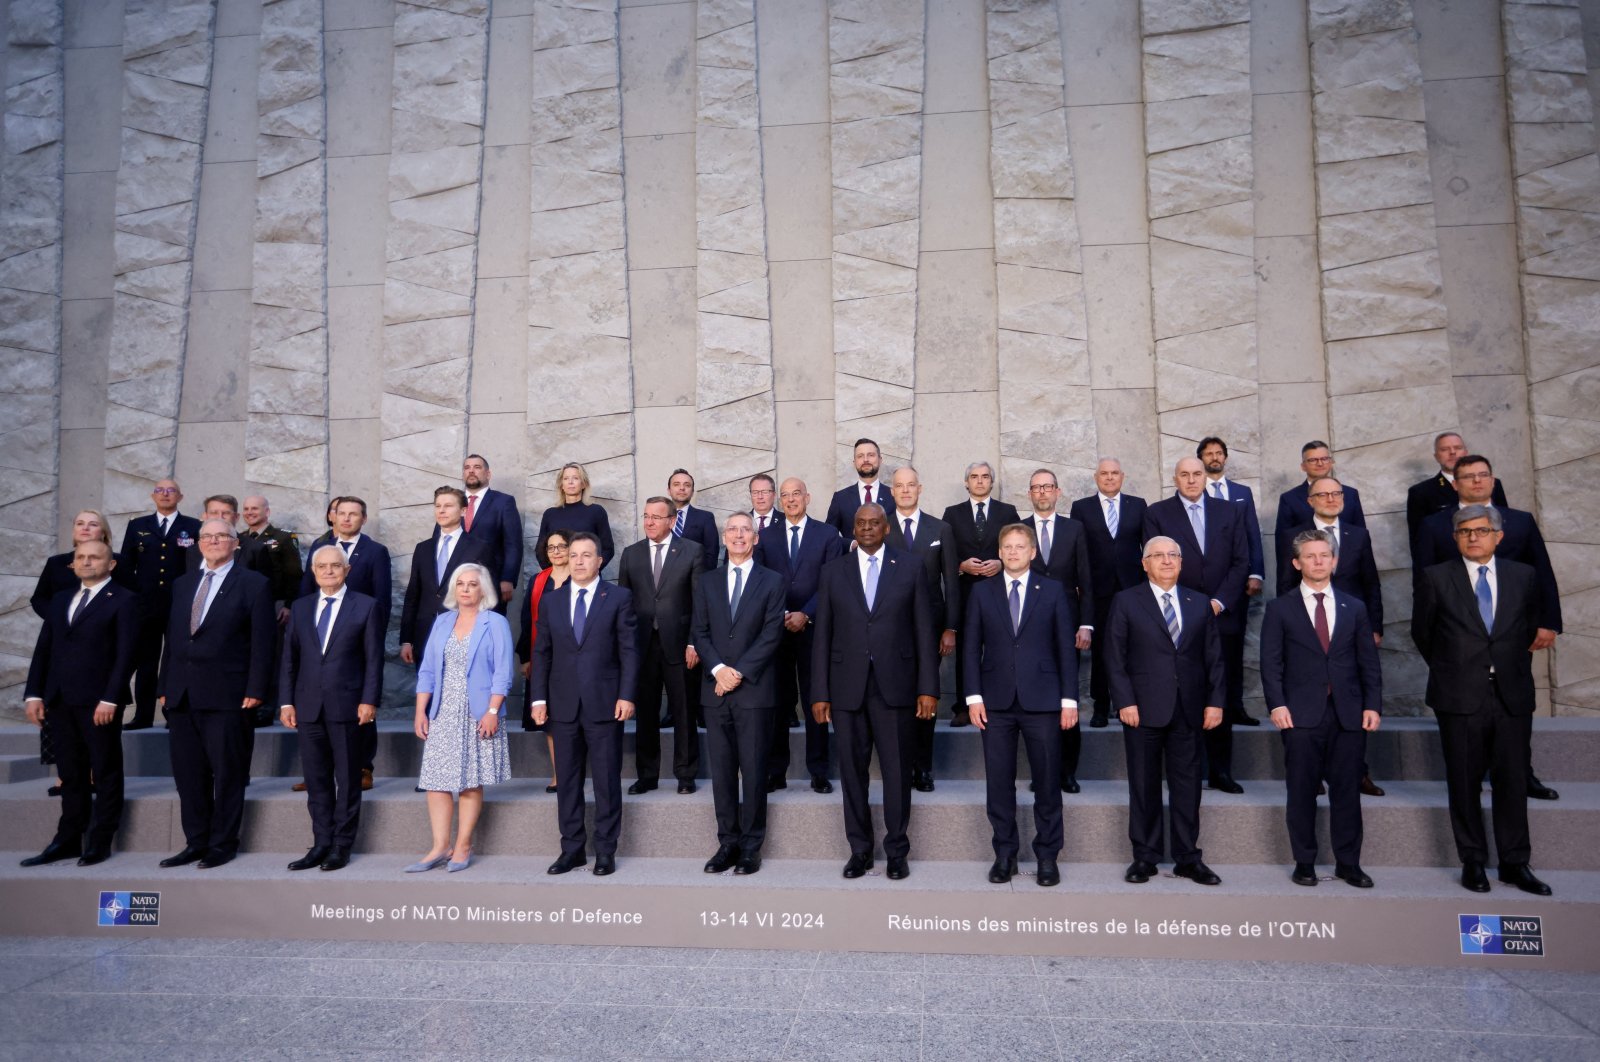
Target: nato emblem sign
[[130, 909], [1501, 934]]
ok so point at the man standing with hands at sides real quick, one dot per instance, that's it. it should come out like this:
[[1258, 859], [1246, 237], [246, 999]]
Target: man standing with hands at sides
[[157, 545], [585, 666], [738, 623], [1213, 454], [1022, 679], [691, 524], [874, 617], [491, 517], [1113, 522], [433, 561], [763, 501], [331, 681], [1165, 668], [277, 550], [868, 461], [660, 572], [214, 672], [1438, 492], [975, 525], [77, 684], [1294, 504], [1476, 623], [1320, 674]]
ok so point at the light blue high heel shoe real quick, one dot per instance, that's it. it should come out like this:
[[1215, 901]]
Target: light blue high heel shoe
[[429, 864], [464, 864]]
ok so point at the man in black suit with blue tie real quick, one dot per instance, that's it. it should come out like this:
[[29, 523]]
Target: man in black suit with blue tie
[[1216, 559], [1164, 659], [1438, 492], [738, 624], [691, 524], [975, 525], [433, 561], [584, 670], [1294, 504], [1022, 680], [214, 671], [868, 490], [490, 518], [157, 547], [874, 672], [1062, 554], [1213, 454], [331, 681], [1324, 690], [77, 684], [797, 547], [1113, 524]]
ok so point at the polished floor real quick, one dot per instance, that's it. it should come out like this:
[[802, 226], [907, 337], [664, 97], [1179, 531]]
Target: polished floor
[[94, 998]]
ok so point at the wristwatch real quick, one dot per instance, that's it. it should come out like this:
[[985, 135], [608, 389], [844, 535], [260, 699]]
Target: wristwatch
[[494, 711]]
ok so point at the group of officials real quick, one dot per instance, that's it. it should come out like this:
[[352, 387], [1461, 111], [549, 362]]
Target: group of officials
[[846, 618]]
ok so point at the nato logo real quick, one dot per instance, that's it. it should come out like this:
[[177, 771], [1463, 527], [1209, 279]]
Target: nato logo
[[1501, 934], [130, 909]]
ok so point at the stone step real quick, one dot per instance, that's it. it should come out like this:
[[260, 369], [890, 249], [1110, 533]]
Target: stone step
[[23, 767]]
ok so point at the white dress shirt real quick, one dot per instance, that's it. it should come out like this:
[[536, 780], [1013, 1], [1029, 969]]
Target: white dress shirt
[[572, 605], [77, 596], [900, 518], [1494, 583], [454, 534], [747, 567], [1307, 598], [218, 574], [1332, 529], [862, 563], [1177, 606], [1113, 502]]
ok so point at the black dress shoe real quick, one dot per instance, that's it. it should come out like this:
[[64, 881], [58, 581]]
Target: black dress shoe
[[567, 861], [685, 788], [821, 785], [312, 858], [338, 859], [212, 860], [184, 858], [857, 866], [54, 790], [93, 855], [749, 863], [1002, 869], [1048, 873], [1099, 720], [959, 717], [135, 726], [1473, 879], [1352, 874], [727, 855], [1139, 872], [922, 781], [1537, 790], [1224, 783], [1245, 719], [641, 786], [898, 868], [1198, 873], [551, 788], [1069, 784], [604, 864], [1304, 874], [53, 852], [1369, 787], [775, 784], [1519, 875]]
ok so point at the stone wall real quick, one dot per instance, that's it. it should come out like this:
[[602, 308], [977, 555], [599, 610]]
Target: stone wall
[[302, 246]]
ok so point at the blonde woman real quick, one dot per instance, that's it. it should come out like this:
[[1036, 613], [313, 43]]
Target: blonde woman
[[574, 512]]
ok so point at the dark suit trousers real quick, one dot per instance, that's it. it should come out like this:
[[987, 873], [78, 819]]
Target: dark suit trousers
[[1099, 681], [1174, 749], [367, 738], [1493, 743], [1219, 739], [657, 672], [330, 756], [210, 767], [890, 729], [582, 744], [1038, 731], [147, 663], [86, 752], [737, 742], [1071, 742], [794, 685], [1311, 754]]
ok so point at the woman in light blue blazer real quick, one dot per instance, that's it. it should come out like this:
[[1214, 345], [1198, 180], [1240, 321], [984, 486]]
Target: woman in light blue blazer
[[461, 687]]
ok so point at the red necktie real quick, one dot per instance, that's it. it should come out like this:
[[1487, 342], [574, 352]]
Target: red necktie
[[866, 495], [1321, 623], [466, 521]]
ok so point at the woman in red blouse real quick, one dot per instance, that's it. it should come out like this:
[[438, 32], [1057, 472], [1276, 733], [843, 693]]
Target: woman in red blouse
[[554, 574]]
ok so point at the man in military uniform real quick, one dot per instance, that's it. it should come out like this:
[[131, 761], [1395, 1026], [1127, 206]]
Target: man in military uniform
[[279, 552], [157, 545]]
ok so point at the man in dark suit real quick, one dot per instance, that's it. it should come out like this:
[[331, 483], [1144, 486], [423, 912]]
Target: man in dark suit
[[214, 671], [252, 554], [1475, 622], [796, 548], [660, 572], [695, 525], [1213, 454], [872, 663], [77, 684], [1113, 523], [1164, 661], [975, 525], [913, 531], [1294, 504], [157, 545], [1216, 559], [763, 502], [331, 681], [1061, 553], [491, 518], [1022, 679], [867, 490], [433, 561], [1438, 492], [1324, 690], [738, 624]]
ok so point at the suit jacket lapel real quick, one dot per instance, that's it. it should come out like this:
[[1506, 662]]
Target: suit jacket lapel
[[341, 620], [216, 598]]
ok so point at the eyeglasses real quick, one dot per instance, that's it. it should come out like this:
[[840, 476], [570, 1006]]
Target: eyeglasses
[[1475, 532], [1043, 488], [1318, 460], [1473, 476], [214, 537], [165, 490], [1329, 494], [1163, 556], [758, 493]]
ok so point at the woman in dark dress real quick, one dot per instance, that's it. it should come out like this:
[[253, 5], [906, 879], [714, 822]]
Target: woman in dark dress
[[552, 558], [574, 512]]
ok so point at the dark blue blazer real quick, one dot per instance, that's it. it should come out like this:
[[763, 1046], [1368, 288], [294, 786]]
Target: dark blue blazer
[[1436, 543], [940, 566], [1356, 573], [330, 685], [897, 640], [585, 680], [230, 657], [819, 544], [1147, 670], [1436, 494], [700, 527], [369, 574], [1116, 564], [156, 562], [1294, 508], [89, 661], [1069, 565], [583, 516], [497, 527], [57, 575], [1038, 664], [1219, 572], [1460, 653], [746, 642], [1241, 496], [846, 500], [425, 593], [1298, 675]]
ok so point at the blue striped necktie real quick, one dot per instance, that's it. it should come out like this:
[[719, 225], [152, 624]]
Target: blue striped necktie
[[1485, 598], [1167, 613]]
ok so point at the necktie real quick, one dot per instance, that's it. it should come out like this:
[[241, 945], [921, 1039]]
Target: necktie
[[346, 547], [872, 581], [466, 519], [1111, 516], [866, 494], [1044, 539], [83, 602], [1321, 623], [323, 619], [761, 524], [794, 542], [655, 563], [677, 525], [738, 592], [1216, 491], [981, 523], [164, 527], [443, 559], [1197, 518], [1173, 629], [1016, 607], [909, 536], [580, 616], [198, 609], [1485, 598]]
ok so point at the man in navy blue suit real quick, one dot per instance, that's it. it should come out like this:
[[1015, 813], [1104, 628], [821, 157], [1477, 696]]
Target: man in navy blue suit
[[1022, 680], [157, 547], [1113, 523], [1294, 504], [1324, 690], [975, 525], [874, 672], [691, 524], [585, 667], [1164, 659], [1438, 492], [797, 547], [1216, 560], [1213, 454], [491, 518], [331, 680], [1062, 554], [867, 490], [433, 562]]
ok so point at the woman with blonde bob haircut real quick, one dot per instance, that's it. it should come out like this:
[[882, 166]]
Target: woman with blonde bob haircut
[[574, 512]]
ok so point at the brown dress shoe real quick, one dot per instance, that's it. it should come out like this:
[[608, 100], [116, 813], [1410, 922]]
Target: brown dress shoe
[[1369, 787], [298, 787], [366, 779]]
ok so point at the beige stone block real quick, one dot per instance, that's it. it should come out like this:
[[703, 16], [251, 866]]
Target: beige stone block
[[358, 14], [662, 306], [1291, 414], [955, 344], [1380, 363], [1484, 311], [1280, 60], [238, 17], [359, 69], [354, 463], [1565, 502], [1288, 310], [93, 108], [1109, 160], [1381, 416], [82, 476], [1496, 408], [659, 183], [216, 366], [1458, 38], [210, 456], [1392, 295], [798, 191], [802, 331], [358, 217], [1373, 184], [91, 24], [503, 241], [503, 439], [85, 345], [1123, 420], [956, 200], [1467, 152], [1384, 471], [658, 70], [1284, 189], [500, 347], [231, 102], [1116, 288], [88, 220], [1560, 317], [953, 430], [805, 448], [792, 66], [1195, 289], [507, 118], [665, 437], [1100, 41], [956, 63], [222, 245], [355, 348]]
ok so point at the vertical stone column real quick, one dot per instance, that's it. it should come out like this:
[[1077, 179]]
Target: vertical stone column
[[435, 164], [875, 85], [735, 425], [286, 437], [166, 73]]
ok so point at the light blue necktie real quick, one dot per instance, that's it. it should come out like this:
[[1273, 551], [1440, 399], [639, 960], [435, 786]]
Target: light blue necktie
[[738, 592], [1044, 538], [1171, 617], [1485, 598], [442, 559], [1197, 517], [872, 581], [580, 615], [1216, 491], [677, 525], [1111, 516], [1016, 607], [322, 623]]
